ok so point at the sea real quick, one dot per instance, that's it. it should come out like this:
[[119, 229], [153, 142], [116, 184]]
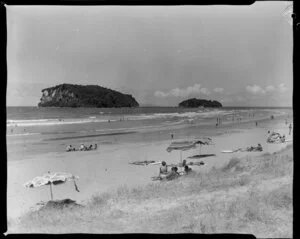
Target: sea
[[32, 129]]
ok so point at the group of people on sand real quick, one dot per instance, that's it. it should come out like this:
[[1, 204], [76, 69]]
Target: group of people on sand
[[275, 137], [82, 147], [257, 148], [165, 174]]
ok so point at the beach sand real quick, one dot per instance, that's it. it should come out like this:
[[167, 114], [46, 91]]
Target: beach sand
[[108, 167]]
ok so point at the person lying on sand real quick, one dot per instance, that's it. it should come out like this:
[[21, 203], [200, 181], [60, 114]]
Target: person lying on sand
[[163, 169], [250, 149], [82, 147], [257, 148], [70, 148]]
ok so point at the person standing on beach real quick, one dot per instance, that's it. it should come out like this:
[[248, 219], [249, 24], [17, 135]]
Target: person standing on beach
[[290, 129], [256, 123]]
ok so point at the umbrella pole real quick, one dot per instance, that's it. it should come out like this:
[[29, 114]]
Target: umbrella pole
[[51, 192], [180, 156]]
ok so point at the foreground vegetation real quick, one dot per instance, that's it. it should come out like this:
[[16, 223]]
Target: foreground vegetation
[[248, 195]]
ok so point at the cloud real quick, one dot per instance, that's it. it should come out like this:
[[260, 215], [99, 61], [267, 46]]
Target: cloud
[[219, 90], [270, 88], [258, 90], [204, 91], [160, 94], [282, 88], [255, 89], [177, 92]]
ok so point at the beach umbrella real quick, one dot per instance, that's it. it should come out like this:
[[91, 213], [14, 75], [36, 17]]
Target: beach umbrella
[[182, 146], [203, 141], [51, 179]]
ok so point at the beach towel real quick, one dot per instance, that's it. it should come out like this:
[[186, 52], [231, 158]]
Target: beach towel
[[145, 162]]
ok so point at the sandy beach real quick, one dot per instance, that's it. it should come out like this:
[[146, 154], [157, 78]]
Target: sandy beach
[[108, 167]]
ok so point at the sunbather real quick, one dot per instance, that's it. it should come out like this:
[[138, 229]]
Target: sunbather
[[250, 149], [82, 147], [171, 175], [259, 147], [275, 138], [69, 148], [163, 169], [187, 169]]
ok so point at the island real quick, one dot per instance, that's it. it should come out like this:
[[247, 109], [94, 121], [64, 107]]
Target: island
[[195, 103], [69, 95]]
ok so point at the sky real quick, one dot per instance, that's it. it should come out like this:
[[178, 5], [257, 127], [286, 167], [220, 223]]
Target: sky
[[238, 55]]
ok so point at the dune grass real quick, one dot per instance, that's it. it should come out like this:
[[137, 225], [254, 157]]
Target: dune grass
[[247, 195]]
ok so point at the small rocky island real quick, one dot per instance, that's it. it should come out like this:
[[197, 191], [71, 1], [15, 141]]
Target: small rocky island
[[195, 103], [69, 95]]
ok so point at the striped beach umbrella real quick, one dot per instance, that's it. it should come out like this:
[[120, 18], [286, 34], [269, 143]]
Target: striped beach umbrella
[[203, 141], [182, 146], [52, 179]]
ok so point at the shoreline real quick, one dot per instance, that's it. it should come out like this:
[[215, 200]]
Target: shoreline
[[145, 133]]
